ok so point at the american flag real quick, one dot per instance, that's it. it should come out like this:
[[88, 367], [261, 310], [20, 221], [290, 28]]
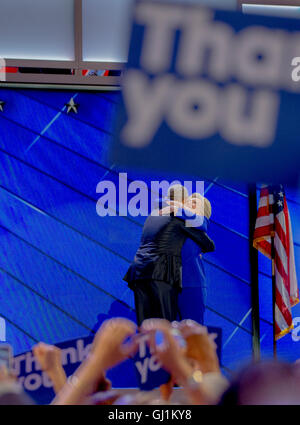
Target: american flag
[[273, 220]]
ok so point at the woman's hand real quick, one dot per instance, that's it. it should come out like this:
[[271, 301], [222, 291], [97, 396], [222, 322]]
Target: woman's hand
[[166, 211], [175, 206], [171, 208]]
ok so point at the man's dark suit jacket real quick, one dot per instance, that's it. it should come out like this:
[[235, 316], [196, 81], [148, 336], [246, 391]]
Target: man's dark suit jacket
[[159, 255]]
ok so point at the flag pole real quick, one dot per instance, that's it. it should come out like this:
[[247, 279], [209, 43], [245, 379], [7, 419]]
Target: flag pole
[[273, 295], [253, 257]]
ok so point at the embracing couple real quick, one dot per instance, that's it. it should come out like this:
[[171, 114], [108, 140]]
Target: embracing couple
[[167, 274]]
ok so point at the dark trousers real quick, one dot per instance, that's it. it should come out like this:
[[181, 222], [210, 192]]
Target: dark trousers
[[155, 299]]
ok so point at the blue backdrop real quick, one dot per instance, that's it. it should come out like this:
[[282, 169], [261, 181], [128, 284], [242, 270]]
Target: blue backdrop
[[61, 265]]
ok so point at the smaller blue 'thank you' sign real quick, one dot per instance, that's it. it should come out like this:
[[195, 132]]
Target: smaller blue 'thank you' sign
[[211, 93], [150, 374]]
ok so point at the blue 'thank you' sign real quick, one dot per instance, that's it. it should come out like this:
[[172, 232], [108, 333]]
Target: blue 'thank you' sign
[[211, 93]]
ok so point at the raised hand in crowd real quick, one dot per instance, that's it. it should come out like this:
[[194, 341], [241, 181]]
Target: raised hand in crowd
[[6, 376], [168, 351], [50, 360], [11, 392], [110, 347], [201, 346], [194, 366]]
